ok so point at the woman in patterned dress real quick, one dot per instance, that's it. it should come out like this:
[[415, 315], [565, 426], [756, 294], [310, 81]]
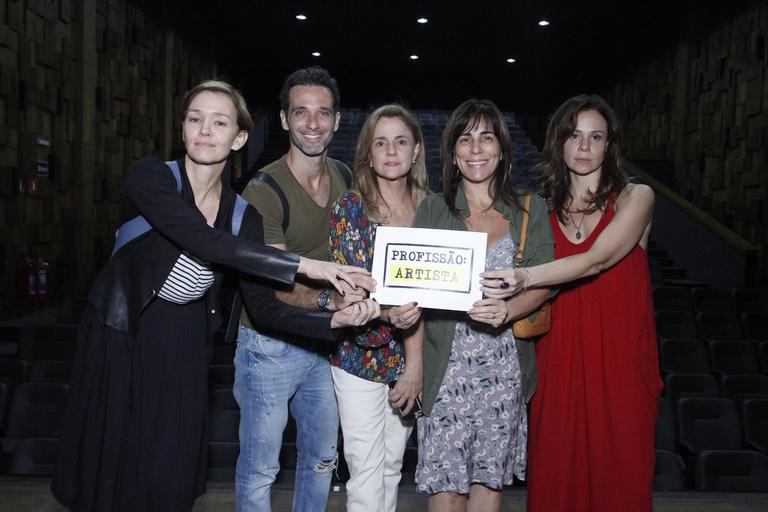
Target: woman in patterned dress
[[389, 182], [477, 376]]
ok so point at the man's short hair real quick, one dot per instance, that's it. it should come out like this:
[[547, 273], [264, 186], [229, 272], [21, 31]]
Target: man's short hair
[[314, 75]]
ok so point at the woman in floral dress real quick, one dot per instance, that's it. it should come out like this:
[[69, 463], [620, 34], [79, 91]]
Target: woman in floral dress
[[389, 182]]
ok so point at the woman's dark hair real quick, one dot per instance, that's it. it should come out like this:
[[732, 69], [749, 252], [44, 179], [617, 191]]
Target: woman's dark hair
[[464, 119], [554, 174]]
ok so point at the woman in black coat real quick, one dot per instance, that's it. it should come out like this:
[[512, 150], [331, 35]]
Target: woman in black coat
[[135, 433]]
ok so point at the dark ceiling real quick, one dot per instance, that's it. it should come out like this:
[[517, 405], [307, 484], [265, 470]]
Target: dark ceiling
[[462, 49]]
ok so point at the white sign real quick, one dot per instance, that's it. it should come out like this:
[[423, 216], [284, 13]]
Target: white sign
[[437, 268]]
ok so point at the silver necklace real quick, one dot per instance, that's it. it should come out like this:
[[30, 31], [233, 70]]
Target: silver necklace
[[578, 228]]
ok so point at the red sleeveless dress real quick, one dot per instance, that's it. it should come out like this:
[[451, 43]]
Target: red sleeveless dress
[[591, 431]]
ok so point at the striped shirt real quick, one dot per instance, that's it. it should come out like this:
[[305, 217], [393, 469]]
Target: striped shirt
[[189, 279]]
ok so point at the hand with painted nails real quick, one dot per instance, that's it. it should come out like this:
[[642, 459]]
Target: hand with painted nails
[[502, 284], [402, 317]]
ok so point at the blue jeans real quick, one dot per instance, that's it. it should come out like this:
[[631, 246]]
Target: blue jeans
[[270, 376]]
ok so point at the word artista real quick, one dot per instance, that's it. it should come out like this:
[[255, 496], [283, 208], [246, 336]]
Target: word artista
[[425, 274], [435, 256]]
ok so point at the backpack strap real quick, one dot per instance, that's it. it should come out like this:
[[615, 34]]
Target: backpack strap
[[237, 215], [174, 166], [343, 169], [269, 180], [138, 225]]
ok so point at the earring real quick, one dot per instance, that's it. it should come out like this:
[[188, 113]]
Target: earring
[[414, 160], [370, 164]]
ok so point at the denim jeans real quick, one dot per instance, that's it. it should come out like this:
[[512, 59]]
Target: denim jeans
[[272, 376]]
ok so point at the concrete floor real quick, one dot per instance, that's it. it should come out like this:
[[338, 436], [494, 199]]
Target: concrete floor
[[32, 495]]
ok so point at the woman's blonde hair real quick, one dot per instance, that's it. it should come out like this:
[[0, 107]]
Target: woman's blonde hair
[[363, 176], [244, 119]]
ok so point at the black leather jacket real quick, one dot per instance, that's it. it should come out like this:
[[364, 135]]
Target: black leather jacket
[[133, 276]]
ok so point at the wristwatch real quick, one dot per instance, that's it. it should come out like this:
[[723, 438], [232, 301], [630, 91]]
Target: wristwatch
[[324, 299]]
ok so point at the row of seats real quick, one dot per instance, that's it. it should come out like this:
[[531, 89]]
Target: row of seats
[[737, 300], [30, 435], [687, 366], [712, 443], [738, 388], [31, 426], [16, 371], [712, 325], [713, 452], [721, 357]]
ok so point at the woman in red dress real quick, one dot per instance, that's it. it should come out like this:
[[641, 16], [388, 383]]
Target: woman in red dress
[[591, 437]]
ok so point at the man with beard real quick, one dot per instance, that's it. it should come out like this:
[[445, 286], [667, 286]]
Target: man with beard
[[275, 372]]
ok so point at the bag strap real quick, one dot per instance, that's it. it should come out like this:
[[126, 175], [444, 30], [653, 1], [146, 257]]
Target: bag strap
[[523, 232], [138, 225], [238, 213], [174, 166], [269, 180], [343, 169]]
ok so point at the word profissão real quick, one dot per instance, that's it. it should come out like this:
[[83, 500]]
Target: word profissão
[[428, 266]]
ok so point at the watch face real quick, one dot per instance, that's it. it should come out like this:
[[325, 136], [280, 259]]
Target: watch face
[[322, 300]]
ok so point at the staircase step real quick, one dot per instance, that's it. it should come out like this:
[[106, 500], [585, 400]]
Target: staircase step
[[673, 273], [685, 283]]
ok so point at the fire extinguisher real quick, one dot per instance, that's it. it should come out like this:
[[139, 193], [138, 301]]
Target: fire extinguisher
[[42, 278], [29, 277], [35, 278]]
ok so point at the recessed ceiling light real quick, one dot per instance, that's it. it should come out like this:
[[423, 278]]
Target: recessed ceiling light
[[511, 60], [301, 17], [422, 20], [315, 54], [543, 23], [414, 57]]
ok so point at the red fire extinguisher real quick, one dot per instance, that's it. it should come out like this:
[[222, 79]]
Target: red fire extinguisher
[[42, 279], [29, 277], [35, 280]]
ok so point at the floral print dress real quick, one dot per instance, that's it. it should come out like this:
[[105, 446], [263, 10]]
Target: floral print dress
[[478, 429], [375, 351]]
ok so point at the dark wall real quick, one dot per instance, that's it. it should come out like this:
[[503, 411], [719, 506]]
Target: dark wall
[[702, 105], [85, 88]]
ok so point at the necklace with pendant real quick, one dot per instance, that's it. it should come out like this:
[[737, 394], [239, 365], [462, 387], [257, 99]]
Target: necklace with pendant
[[578, 227], [483, 211]]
